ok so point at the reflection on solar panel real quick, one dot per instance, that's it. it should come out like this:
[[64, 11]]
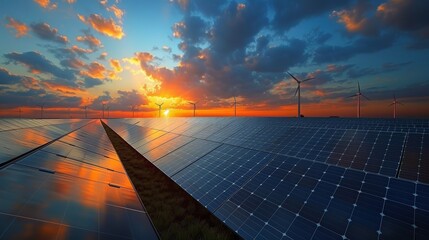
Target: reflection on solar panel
[[73, 188], [277, 178], [21, 136]]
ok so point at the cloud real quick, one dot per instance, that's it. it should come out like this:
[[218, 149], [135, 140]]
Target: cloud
[[116, 65], [290, 13], [409, 16], [102, 56], [46, 4], [8, 78], [37, 63], [98, 70], [105, 26], [45, 32], [72, 63], [208, 8], [355, 19], [191, 30], [237, 26], [36, 97], [277, 59], [70, 1], [90, 82], [119, 13], [166, 49], [20, 28], [89, 39], [330, 54]]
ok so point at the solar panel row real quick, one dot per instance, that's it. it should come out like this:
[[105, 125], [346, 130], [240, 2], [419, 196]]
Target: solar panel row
[[280, 178], [21, 136], [73, 188]]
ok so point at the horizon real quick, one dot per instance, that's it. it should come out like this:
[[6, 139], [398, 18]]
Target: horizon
[[71, 54]]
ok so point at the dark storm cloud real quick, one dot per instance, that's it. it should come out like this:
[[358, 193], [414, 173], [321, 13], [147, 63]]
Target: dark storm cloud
[[7, 78], [46, 32], [327, 53], [406, 15], [191, 30], [36, 97], [36, 62], [289, 13], [90, 82], [278, 59], [237, 26]]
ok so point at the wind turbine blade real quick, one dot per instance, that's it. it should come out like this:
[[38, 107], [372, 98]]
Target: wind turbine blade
[[365, 97], [297, 89], [293, 77], [358, 87], [399, 103], [391, 104], [354, 95], [308, 79], [191, 103]]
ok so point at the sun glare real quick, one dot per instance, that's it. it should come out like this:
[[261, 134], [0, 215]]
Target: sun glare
[[166, 112]]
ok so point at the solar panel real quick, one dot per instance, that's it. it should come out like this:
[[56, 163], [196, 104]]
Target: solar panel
[[277, 178], [71, 188]]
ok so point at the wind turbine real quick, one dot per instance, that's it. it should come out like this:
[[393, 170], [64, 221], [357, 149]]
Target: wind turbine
[[195, 106], [41, 110], [133, 109], [159, 108], [85, 108], [108, 111], [19, 112], [298, 90], [103, 108], [235, 107], [394, 105], [358, 94]]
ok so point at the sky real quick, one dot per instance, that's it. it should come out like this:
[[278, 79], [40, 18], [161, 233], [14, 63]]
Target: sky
[[72, 55]]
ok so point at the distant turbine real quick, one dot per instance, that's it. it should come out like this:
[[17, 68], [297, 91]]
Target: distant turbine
[[298, 90], [133, 109], [235, 107], [85, 107], [41, 111], [108, 111], [103, 108], [195, 106], [358, 94], [19, 112], [394, 105], [159, 108]]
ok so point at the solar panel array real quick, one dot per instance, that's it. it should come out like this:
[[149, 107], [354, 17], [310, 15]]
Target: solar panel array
[[278, 178], [72, 188], [19, 136]]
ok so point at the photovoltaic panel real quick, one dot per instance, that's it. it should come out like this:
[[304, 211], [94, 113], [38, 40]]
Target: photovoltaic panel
[[84, 195], [167, 147], [217, 175], [184, 156], [319, 178]]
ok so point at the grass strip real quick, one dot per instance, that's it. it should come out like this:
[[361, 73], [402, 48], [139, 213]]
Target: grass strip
[[175, 214]]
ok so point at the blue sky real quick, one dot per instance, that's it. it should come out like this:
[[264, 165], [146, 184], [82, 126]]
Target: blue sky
[[70, 54]]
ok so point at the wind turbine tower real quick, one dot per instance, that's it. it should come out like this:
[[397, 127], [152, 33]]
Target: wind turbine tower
[[195, 106], [298, 90], [103, 109], [394, 105], [159, 108], [358, 95], [41, 111]]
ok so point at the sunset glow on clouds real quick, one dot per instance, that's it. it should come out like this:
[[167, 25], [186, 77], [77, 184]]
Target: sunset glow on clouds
[[70, 54]]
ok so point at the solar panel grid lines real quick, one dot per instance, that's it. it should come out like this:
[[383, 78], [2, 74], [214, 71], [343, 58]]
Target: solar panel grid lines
[[343, 181], [185, 155], [167, 147], [75, 196]]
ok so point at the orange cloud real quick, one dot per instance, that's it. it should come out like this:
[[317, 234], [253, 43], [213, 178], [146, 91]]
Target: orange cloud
[[98, 71], [355, 20], [90, 40], [71, 1], [116, 65], [94, 70], [117, 11], [105, 26], [20, 28], [46, 4]]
